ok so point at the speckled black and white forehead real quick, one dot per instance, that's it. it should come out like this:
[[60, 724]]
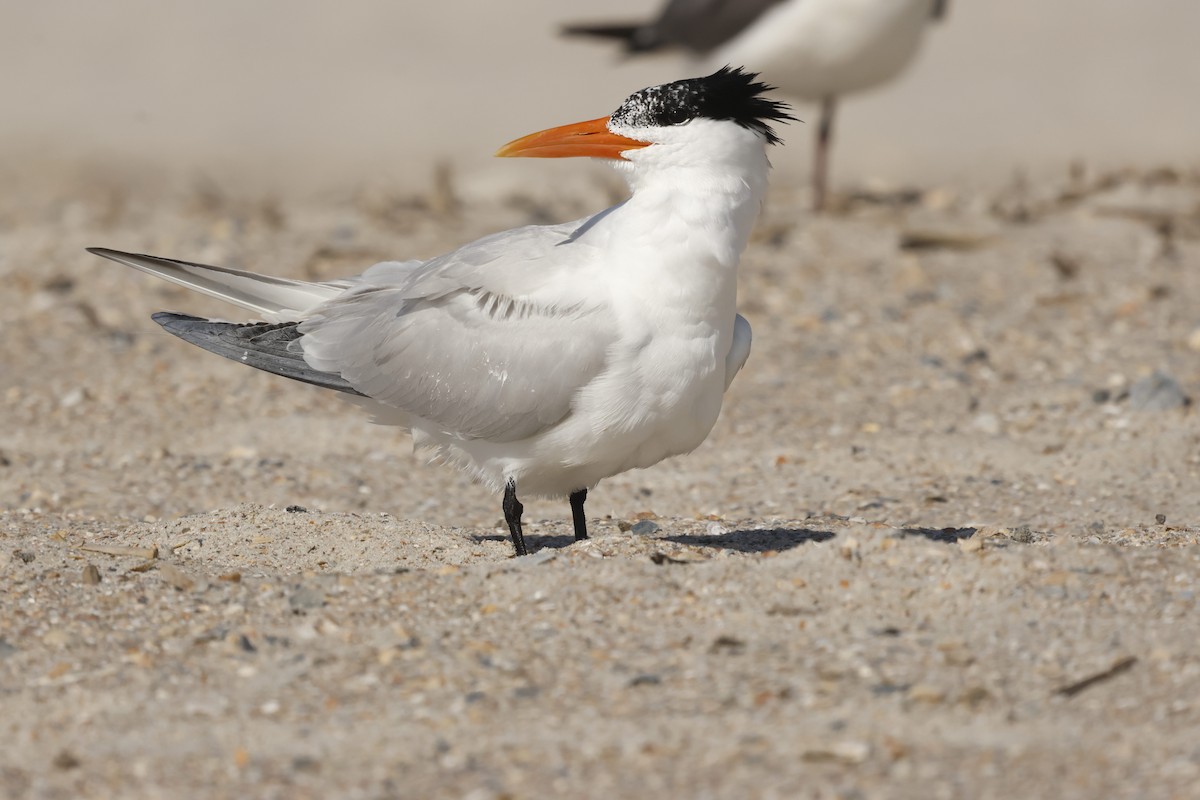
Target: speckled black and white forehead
[[727, 94]]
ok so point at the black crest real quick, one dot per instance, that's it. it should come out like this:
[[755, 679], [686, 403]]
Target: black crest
[[729, 93]]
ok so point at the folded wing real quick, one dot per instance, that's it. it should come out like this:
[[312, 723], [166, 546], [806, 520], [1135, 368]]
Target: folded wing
[[492, 341]]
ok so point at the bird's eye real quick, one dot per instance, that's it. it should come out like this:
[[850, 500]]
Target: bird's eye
[[676, 116], [673, 116]]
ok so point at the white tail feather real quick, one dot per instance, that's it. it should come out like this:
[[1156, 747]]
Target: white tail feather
[[276, 299]]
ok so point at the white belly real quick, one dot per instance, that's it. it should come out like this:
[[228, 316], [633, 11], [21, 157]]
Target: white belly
[[662, 400]]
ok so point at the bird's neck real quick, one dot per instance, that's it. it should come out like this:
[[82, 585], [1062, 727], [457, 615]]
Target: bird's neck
[[694, 220]]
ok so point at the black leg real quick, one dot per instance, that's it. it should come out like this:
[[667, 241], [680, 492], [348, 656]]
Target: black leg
[[821, 161], [512, 515], [577, 501]]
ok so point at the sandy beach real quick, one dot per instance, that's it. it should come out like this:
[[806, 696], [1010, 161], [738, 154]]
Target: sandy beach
[[942, 542]]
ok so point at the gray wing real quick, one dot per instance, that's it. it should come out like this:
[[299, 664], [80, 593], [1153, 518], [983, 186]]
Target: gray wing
[[488, 342], [739, 349], [260, 345], [704, 25]]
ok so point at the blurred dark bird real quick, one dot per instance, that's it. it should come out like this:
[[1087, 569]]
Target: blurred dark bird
[[815, 50]]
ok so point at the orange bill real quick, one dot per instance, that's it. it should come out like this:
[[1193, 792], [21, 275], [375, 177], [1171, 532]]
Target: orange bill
[[591, 139]]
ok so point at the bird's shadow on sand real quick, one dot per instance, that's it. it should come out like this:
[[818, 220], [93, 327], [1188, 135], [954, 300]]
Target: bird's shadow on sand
[[751, 540], [944, 535], [779, 539], [755, 540], [743, 541]]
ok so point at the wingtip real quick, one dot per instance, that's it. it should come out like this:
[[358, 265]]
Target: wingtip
[[158, 316], [172, 319], [164, 318], [106, 252]]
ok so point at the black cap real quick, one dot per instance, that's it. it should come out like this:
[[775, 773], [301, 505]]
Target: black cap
[[729, 93]]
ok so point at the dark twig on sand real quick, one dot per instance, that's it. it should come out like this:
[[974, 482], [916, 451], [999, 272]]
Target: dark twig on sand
[[1121, 665]]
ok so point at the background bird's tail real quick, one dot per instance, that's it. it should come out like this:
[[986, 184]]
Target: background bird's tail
[[633, 37]]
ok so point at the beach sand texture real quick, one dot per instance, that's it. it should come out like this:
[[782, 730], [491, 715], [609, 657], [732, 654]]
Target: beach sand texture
[[941, 543]]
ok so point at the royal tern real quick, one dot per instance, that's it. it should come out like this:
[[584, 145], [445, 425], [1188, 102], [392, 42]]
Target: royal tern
[[546, 357], [814, 50]]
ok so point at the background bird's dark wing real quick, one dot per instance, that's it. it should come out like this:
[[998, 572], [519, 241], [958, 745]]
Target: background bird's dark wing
[[696, 25]]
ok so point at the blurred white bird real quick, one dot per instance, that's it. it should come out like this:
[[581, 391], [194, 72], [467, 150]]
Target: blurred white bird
[[814, 50], [545, 357]]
